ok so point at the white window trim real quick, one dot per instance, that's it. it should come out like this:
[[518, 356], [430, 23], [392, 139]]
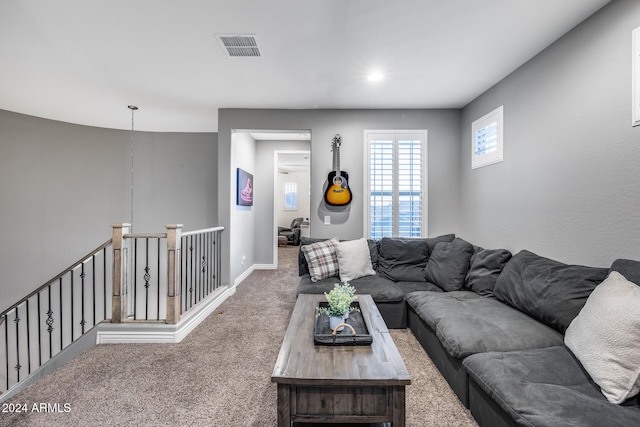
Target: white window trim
[[367, 171], [496, 156], [635, 61]]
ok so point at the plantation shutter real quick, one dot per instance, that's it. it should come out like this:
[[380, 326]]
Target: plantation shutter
[[396, 185]]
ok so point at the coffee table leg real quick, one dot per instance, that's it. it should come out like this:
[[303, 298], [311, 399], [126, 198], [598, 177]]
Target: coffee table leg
[[284, 411], [399, 414]]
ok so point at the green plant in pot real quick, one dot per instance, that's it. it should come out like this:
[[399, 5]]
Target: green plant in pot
[[339, 301]]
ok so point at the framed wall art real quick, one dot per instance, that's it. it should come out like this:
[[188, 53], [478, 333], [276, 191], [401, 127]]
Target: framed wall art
[[244, 188]]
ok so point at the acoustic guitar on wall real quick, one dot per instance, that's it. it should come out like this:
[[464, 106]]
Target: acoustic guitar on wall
[[338, 193]]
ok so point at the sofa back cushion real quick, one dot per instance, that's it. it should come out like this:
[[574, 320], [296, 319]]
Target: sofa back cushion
[[448, 264], [605, 337], [403, 259], [321, 259], [484, 269], [354, 259], [547, 290], [303, 266], [630, 269]]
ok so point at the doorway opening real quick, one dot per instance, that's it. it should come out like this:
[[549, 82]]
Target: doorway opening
[[292, 204]]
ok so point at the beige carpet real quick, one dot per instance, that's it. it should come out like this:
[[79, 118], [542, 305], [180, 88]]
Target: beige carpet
[[218, 376]]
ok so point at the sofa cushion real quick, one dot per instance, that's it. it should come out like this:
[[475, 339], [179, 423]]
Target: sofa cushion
[[545, 388], [433, 241], [404, 259], [467, 323], [373, 252], [425, 303], [321, 259], [408, 287], [448, 264], [484, 268], [605, 337], [380, 289], [630, 269], [354, 259], [303, 267], [547, 290]]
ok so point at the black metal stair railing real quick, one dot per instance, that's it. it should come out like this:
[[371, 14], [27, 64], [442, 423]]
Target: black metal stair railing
[[147, 281], [200, 265], [153, 289], [200, 260], [54, 316]]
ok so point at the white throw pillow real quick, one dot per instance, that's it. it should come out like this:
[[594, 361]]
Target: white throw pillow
[[605, 337], [354, 259], [321, 258]]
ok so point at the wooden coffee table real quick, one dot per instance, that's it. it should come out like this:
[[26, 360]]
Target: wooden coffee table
[[346, 384]]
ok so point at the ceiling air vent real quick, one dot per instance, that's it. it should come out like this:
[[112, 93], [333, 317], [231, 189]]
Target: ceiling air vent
[[239, 46]]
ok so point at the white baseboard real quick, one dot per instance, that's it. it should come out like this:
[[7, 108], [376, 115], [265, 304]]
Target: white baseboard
[[265, 267], [244, 275], [141, 333], [160, 333]]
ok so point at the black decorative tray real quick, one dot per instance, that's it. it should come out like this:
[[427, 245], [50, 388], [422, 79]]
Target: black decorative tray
[[356, 334]]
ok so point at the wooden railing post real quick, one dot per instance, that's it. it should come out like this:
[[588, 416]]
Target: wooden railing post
[[119, 310], [173, 272]]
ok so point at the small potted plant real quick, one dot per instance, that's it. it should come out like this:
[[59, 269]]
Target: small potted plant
[[339, 301]]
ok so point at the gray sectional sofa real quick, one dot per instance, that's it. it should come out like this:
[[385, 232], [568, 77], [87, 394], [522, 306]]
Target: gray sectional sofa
[[495, 326]]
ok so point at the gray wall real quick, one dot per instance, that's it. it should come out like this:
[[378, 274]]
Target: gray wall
[[63, 185], [444, 158], [569, 185]]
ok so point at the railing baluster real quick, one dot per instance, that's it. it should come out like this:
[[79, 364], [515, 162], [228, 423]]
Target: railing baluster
[[158, 275], [39, 334], [28, 341], [200, 272], [147, 276], [61, 321], [212, 272], [82, 320], [93, 281], [104, 282], [49, 322], [72, 307], [196, 268], [135, 277], [6, 346], [16, 320], [183, 277], [191, 292]]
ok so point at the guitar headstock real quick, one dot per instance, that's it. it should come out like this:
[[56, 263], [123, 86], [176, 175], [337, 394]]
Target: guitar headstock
[[336, 141]]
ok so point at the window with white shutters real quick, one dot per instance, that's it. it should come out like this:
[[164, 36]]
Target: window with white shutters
[[486, 139], [290, 196], [396, 183]]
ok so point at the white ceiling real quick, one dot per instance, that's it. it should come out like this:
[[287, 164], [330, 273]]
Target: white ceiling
[[84, 61], [294, 162]]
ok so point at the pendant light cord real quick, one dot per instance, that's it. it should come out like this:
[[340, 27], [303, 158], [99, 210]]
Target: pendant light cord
[[133, 108]]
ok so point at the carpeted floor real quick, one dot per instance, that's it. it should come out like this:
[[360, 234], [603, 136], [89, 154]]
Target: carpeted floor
[[218, 376]]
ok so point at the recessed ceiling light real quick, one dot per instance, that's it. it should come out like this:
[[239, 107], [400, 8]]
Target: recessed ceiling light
[[375, 77]]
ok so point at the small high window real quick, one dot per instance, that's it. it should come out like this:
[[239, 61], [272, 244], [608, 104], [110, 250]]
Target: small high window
[[486, 139], [290, 196]]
